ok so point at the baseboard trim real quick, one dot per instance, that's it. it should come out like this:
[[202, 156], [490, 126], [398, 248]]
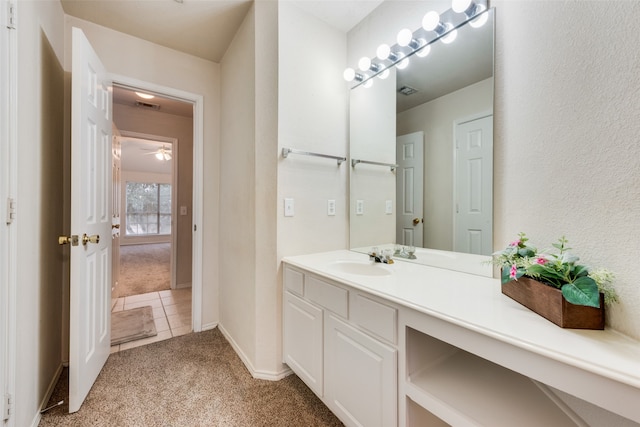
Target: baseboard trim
[[183, 285], [255, 373], [209, 326], [47, 395]]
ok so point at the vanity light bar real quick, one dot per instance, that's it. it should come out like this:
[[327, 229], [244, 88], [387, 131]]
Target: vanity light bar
[[434, 27]]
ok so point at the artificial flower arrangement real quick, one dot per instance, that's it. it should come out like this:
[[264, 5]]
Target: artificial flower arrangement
[[557, 268]]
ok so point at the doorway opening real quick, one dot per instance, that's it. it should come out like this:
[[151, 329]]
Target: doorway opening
[[153, 202]]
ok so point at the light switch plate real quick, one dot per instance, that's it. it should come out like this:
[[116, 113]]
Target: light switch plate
[[288, 207], [388, 207], [359, 207], [331, 207], [183, 210]]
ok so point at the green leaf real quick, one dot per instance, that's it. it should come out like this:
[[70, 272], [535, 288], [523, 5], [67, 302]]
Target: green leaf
[[526, 252], [579, 271], [543, 270], [583, 291]]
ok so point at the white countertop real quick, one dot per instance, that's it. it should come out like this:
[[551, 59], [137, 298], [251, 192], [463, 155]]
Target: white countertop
[[476, 303]]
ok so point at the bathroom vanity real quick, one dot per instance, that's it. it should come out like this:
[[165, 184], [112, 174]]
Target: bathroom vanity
[[413, 345]]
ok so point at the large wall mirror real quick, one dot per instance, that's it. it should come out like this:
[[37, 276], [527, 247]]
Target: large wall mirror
[[434, 120]]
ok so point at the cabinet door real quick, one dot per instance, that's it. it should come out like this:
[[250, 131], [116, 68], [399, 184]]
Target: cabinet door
[[360, 376], [302, 340]]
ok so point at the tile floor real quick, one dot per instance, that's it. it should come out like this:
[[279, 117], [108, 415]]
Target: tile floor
[[171, 313]]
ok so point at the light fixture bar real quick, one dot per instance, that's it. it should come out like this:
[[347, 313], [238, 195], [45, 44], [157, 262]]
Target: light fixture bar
[[441, 26]]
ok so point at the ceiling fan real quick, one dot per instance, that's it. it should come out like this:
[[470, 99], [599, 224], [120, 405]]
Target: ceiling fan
[[162, 153]]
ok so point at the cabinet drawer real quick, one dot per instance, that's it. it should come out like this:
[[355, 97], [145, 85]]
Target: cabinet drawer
[[327, 295], [294, 281], [375, 317]]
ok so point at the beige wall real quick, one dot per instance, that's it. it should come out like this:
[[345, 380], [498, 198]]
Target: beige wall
[[131, 57], [42, 151], [133, 119], [435, 119], [567, 156], [237, 196]]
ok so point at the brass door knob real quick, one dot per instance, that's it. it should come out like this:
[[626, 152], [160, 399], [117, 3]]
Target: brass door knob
[[416, 221], [65, 240], [95, 238]]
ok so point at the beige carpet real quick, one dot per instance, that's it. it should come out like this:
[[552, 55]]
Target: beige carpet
[[192, 380], [132, 324], [144, 268]]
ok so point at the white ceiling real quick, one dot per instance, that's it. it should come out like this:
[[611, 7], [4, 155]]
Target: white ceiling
[[138, 155], [202, 28]]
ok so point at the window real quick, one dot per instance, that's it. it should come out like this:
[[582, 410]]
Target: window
[[148, 209]]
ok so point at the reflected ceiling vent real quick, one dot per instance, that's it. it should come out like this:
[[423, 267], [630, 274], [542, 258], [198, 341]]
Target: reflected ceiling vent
[[143, 104], [407, 90]]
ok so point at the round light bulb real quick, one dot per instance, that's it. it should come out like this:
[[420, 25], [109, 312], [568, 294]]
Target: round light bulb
[[368, 83], [364, 64], [480, 20], [349, 74], [383, 52], [451, 36], [404, 37], [431, 20], [403, 64], [159, 156], [460, 6], [424, 51], [383, 75]]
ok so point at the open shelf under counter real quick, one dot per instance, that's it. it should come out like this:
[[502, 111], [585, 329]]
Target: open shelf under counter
[[462, 389]]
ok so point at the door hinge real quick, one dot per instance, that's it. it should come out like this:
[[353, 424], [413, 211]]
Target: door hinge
[[11, 210], [11, 16], [7, 403]]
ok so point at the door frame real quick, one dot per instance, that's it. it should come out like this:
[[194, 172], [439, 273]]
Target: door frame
[[124, 135], [8, 190], [198, 196], [457, 122]]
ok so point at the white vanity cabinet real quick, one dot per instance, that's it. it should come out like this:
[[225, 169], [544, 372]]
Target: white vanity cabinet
[[341, 343], [425, 346]]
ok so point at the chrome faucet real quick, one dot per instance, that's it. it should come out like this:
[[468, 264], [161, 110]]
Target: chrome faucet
[[384, 256]]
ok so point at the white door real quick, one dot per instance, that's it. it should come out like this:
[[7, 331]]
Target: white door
[[89, 329], [473, 225], [409, 189], [115, 214]]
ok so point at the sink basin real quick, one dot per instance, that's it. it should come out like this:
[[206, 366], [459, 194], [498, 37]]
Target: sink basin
[[360, 268]]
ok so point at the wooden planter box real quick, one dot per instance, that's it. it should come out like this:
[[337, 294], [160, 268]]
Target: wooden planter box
[[549, 303]]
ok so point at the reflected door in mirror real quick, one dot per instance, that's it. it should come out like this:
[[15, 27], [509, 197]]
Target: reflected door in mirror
[[474, 186], [409, 189]]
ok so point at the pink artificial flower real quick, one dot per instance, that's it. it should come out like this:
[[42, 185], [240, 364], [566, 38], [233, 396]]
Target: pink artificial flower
[[541, 261], [514, 271], [516, 243]]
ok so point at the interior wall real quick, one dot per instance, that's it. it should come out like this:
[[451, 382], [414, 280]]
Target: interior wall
[[312, 116], [128, 56], [40, 213], [133, 119], [268, 295], [435, 119], [237, 196], [567, 158]]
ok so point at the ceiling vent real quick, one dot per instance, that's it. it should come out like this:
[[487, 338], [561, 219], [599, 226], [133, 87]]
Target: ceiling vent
[[407, 90], [143, 104]]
